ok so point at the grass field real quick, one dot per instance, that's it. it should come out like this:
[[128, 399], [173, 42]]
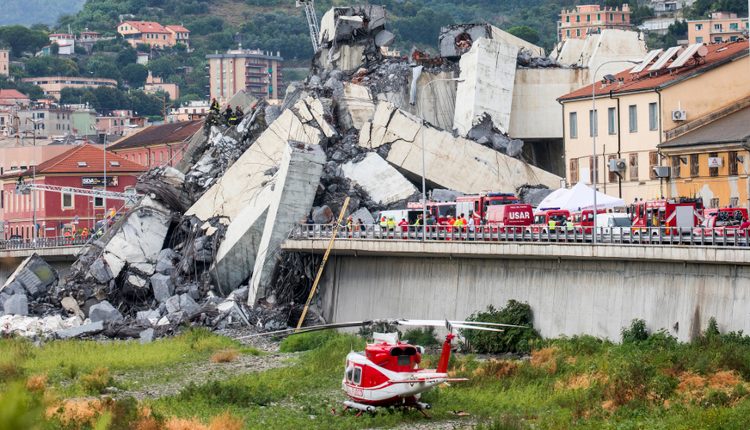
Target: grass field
[[647, 382]]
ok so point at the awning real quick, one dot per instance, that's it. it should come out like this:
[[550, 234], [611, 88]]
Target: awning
[[578, 198]]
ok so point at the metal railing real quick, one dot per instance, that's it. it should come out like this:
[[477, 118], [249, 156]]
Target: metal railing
[[42, 243], [651, 236]]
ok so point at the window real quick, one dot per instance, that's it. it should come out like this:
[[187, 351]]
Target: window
[[611, 17], [67, 201], [653, 161], [713, 171], [357, 379], [588, 18], [598, 17], [612, 175], [699, 39], [633, 166], [694, 165], [633, 118], [734, 202], [718, 27], [591, 170], [593, 123], [653, 117], [733, 26], [573, 171], [718, 40], [732, 163], [578, 18], [611, 121], [676, 166], [714, 203], [699, 26], [98, 202], [574, 125], [567, 18]]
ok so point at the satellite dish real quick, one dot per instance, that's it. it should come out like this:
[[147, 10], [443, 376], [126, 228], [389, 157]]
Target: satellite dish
[[609, 78]]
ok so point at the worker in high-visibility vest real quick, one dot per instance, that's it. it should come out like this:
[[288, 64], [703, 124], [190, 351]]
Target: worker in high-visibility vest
[[391, 224]]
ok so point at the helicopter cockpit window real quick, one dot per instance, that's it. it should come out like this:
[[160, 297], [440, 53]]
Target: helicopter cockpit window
[[349, 374], [357, 375]]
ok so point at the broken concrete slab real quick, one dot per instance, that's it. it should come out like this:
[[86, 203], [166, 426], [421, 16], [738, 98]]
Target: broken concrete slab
[[363, 216], [380, 180], [456, 40], [148, 317], [146, 336], [17, 304], [488, 74], [165, 261], [355, 106], [85, 329], [100, 272], [341, 24], [182, 302], [294, 191], [235, 257], [162, 286], [33, 275], [105, 312], [241, 183], [243, 99], [453, 163], [71, 306], [139, 239]]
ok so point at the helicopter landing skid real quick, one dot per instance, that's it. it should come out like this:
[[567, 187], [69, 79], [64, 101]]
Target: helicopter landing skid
[[362, 408]]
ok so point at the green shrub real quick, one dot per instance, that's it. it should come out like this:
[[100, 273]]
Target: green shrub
[[637, 332], [715, 398], [96, 381], [514, 340], [423, 337], [306, 341], [19, 409], [230, 393]]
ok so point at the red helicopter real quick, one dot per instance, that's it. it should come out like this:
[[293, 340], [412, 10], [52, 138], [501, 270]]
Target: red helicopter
[[387, 373]]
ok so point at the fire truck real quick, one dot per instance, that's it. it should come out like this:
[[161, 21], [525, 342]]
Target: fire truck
[[583, 221], [513, 218], [671, 216], [440, 210], [542, 219], [479, 203], [723, 222]]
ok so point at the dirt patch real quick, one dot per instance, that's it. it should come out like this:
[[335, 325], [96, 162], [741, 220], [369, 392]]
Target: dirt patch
[[496, 369], [153, 384], [581, 382], [724, 380]]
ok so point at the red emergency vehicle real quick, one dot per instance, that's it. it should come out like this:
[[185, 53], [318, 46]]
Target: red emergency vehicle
[[514, 218], [672, 216], [583, 221], [440, 210], [542, 219], [479, 203], [723, 222]]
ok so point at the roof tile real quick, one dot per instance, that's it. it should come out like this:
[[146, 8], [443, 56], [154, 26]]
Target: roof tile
[[160, 134]]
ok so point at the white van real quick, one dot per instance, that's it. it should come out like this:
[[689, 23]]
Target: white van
[[615, 224]]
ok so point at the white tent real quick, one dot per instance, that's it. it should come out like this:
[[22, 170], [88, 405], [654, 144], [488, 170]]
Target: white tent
[[579, 197]]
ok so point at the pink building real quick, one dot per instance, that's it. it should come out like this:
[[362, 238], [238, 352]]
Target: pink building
[[591, 19]]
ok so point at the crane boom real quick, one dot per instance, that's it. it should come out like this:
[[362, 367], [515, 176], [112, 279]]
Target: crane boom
[[129, 197], [312, 22]]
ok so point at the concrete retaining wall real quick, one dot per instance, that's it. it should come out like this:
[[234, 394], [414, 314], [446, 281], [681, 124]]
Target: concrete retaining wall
[[568, 297]]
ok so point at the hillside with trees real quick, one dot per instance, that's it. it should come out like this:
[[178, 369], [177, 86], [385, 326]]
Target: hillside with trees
[[273, 25]]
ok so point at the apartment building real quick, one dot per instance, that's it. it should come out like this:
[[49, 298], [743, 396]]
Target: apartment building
[[640, 108], [53, 85], [720, 27], [255, 71], [591, 19], [153, 34]]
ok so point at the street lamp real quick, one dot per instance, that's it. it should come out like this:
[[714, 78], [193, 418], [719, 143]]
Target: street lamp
[[424, 182], [33, 177], [594, 127]]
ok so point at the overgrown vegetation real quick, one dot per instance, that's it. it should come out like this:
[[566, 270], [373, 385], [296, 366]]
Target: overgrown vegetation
[[648, 381], [512, 339]]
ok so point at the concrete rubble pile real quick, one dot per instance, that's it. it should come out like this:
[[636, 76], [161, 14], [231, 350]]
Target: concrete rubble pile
[[202, 246]]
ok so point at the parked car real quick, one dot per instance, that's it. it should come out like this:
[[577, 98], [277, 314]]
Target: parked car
[[614, 225]]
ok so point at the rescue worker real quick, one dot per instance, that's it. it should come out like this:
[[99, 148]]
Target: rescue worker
[[383, 223], [68, 234], [391, 224], [404, 225], [551, 224], [214, 106], [228, 113], [85, 233], [239, 113]]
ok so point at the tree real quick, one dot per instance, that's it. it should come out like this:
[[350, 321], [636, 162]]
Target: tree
[[126, 55], [102, 66], [135, 75], [51, 66], [525, 32], [146, 104], [21, 39]]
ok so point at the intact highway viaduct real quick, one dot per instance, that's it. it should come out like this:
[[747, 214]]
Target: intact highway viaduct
[[572, 288]]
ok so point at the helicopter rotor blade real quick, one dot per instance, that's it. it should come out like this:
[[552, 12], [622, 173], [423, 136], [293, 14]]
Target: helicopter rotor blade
[[443, 323], [308, 329], [473, 327]]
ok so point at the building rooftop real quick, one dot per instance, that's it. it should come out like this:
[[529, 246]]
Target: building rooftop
[[84, 158], [146, 26], [9, 94], [732, 128], [178, 28], [625, 82], [247, 53], [159, 134]]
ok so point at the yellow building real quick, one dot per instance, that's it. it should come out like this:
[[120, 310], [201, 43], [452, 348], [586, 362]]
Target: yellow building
[[638, 110], [710, 157], [721, 27]]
